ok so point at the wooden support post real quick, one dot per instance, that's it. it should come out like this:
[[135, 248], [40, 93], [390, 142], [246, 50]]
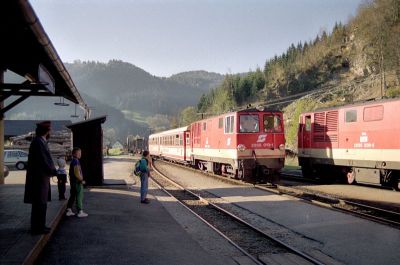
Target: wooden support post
[[1, 133]]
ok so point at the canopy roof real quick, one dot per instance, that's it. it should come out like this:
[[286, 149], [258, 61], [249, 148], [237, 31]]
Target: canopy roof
[[26, 50]]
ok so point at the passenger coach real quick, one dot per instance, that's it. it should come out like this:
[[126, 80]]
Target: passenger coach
[[359, 141], [172, 144]]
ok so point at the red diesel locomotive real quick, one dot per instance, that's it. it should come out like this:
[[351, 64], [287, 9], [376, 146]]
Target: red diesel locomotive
[[245, 144], [359, 141]]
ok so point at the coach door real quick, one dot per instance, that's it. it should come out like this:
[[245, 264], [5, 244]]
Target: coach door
[[306, 135], [188, 146]]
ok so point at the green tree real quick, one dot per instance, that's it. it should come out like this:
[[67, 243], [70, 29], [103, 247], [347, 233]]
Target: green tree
[[188, 115]]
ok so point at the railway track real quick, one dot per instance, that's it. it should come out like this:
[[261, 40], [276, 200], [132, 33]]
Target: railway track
[[259, 246], [370, 212]]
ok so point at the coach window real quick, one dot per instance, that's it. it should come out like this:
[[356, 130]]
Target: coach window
[[248, 123], [204, 126], [351, 116], [177, 139]]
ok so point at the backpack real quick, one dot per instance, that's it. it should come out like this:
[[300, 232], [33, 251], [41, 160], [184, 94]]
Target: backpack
[[136, 169]]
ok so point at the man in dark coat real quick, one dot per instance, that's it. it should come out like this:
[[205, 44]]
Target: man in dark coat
[[39, 171]]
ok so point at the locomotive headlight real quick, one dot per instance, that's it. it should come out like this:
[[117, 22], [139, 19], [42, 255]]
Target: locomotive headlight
[[241, 147], [260, 108], [282, 147]]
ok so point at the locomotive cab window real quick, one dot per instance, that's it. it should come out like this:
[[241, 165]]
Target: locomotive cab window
[[308, 124], [187, 138], [248, 123], [229, 124], [220, 123], [374, 113], [351, 116], [272, 123]]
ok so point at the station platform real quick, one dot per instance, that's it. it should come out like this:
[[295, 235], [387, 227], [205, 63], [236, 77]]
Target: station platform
[[118, 230], [17, 245]]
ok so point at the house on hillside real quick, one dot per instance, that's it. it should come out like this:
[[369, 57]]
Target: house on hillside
[[117, 145]]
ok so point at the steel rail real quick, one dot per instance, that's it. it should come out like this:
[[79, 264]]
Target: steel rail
[[317, 199], [336, 203], [238, 219], [198, 216], [370, 216], [361, 207]]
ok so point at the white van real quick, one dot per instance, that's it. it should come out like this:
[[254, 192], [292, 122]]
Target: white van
[[15, 157]]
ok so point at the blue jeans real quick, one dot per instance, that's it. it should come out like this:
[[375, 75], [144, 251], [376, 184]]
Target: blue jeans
[[144, 185]]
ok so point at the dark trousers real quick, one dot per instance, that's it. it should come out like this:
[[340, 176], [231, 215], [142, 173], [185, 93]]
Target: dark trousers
[[38, 216], [72, 196], [61, 188]]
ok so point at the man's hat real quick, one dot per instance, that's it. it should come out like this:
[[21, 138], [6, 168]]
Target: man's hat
[[44, 125]]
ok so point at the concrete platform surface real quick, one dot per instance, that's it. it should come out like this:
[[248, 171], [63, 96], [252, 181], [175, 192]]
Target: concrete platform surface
[[121, 230], [17, 245], [118, 230]]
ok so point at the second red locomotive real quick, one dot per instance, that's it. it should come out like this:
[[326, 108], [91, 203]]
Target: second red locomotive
[[359, 141]]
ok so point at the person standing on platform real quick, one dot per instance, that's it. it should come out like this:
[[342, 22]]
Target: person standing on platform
[[76, 182], [145, 163], [61, 178], [39, 171]]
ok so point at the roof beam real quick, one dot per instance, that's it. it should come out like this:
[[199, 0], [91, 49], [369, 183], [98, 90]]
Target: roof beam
[[23, 86], [30, 93], [26, 88], [13, 104]]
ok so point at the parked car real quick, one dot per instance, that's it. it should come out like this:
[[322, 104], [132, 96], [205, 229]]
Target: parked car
[[15, 157]]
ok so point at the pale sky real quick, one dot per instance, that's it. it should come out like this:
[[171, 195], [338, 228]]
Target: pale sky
[[166, 37]]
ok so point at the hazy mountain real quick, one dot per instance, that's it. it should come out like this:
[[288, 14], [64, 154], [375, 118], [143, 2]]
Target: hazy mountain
[[129, 88]]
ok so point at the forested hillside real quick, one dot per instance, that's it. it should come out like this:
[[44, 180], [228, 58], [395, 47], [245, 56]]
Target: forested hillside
[[131, 89], [356, 61], [201, 80]]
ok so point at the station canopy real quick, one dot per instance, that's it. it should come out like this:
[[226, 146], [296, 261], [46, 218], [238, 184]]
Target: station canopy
[[26, 50]]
